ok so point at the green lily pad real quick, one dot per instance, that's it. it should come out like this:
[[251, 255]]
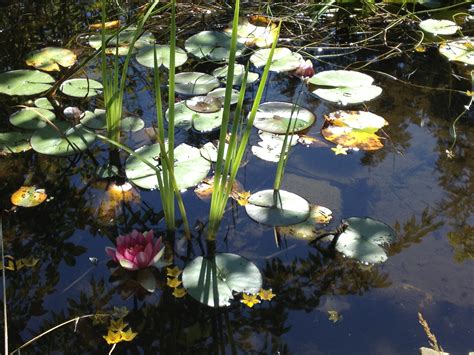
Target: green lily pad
[[308, 230], [344, 87], [147, 280], [131, 124], [81, 87], [239, 73], [283, 60], [146, 57], [364, 239], [25, 82], [195, 83], [269, 148], [189, 168], [28, 196], [439, 27], [220, 93], [253, 33], [210, 151], [277, 208], [186, 118], [51, 58], [14, 142], [275, 117], [94, 120], [204, 104], [43, 102], [124, 39], [211, 45], [212, 281], [71, 140], [459, 51], [32, 118]]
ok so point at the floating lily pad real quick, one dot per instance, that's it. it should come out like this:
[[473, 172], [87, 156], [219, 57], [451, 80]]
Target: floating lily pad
[[28, 196], [364, 240], [189, 168], [211, 45], [71, 140], [269, 148], [81, 87], [51, 58], [220, 93], [32, 118], [43, 102], [146, 57], [459, 51], [124, 39], [277, 208], [308, 230], [283, 59], [344, 87], [147, 280], [275, 117], [209, 151], [14, 142], [256, 33], [195, 83], [354, 129], [94, 120], [239, 73], [212, 281], [131, 124], [204, 104], [25, 82], [186, 118], [439, 27]]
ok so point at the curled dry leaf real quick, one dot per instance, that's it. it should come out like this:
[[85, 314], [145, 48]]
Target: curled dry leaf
[[28, 196], [206, 187]]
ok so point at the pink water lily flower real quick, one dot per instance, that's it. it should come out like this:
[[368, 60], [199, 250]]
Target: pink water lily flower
[[136, 250], [305, 70]]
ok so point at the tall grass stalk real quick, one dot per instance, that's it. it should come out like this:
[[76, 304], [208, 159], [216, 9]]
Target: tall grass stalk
[[228, 166], [4, 285]]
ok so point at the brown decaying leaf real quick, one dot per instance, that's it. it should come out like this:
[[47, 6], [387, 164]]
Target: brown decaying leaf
[[28, 196], [206, 187]]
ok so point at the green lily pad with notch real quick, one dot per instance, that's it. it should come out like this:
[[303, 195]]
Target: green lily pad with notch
[[81, 87], [189, 167], [277, 208], [459, 51], [51, 58], [220, 93], [213, 281], [439, 27], [283, 60], [94, 120], [274, 117], [25, 82], [146, 57], [124, 39], [43, 102], [185, 118], [204, 104], [195, 83], [32, 118], [14, 142], [344, 87], [49, 141], [211, 45], [364, 239], [131, 124], [239, 73]]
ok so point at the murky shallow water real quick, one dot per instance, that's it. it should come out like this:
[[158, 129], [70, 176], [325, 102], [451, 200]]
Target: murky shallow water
[[410, 184]]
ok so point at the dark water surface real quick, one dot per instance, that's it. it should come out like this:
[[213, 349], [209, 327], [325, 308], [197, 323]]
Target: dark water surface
[[410, 184]]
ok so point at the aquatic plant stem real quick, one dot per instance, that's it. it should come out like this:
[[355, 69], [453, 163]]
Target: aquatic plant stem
[[4, 285]]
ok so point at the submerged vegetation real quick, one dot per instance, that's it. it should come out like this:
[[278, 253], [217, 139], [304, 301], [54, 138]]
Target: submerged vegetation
[[221, 118]]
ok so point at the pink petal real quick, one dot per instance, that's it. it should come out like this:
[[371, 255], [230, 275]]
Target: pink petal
[[111, 252], [149, 252], [157, 257], [126, 264], [129, 255], [141, 260]]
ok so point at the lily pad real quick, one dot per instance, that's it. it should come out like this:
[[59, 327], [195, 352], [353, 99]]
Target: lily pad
[[51, 58], [459, 51], [81, 87], [211, 45], [189, 168], [186, 118], [256, 33], [220, 93], [146, 57], [275, 117], [283, 60], [439, 27], [308, 230], [212, 281], [94, 120], [354, 129], [277, 208], [124, 39], [43, 102], [14, 142], [269, 148], [195, 83], [364, 239], [131, 124], [69, 141], [344, 87], [204, 104], [32, 118], [209, 151], [239, 73], [147, 280], [28, 196], [25, 82]]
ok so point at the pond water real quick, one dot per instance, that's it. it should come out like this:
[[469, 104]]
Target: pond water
[[411, 184]]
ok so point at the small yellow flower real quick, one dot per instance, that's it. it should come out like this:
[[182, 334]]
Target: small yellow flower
[[173, 282], [179, 292], [173, 272], [113, 337], [249, 300], [117, 325], [266, 295], [129, 335], [340, 150]]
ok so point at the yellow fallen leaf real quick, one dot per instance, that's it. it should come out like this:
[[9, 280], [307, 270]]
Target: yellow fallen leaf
[[129, 335], [28, 196], [173, 272], [112, 337], [172, 282], [107, 25], [340, 150], [420, 49], [249, 300], [242, 198], [117, 325], [179, 292], [266, 295]]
